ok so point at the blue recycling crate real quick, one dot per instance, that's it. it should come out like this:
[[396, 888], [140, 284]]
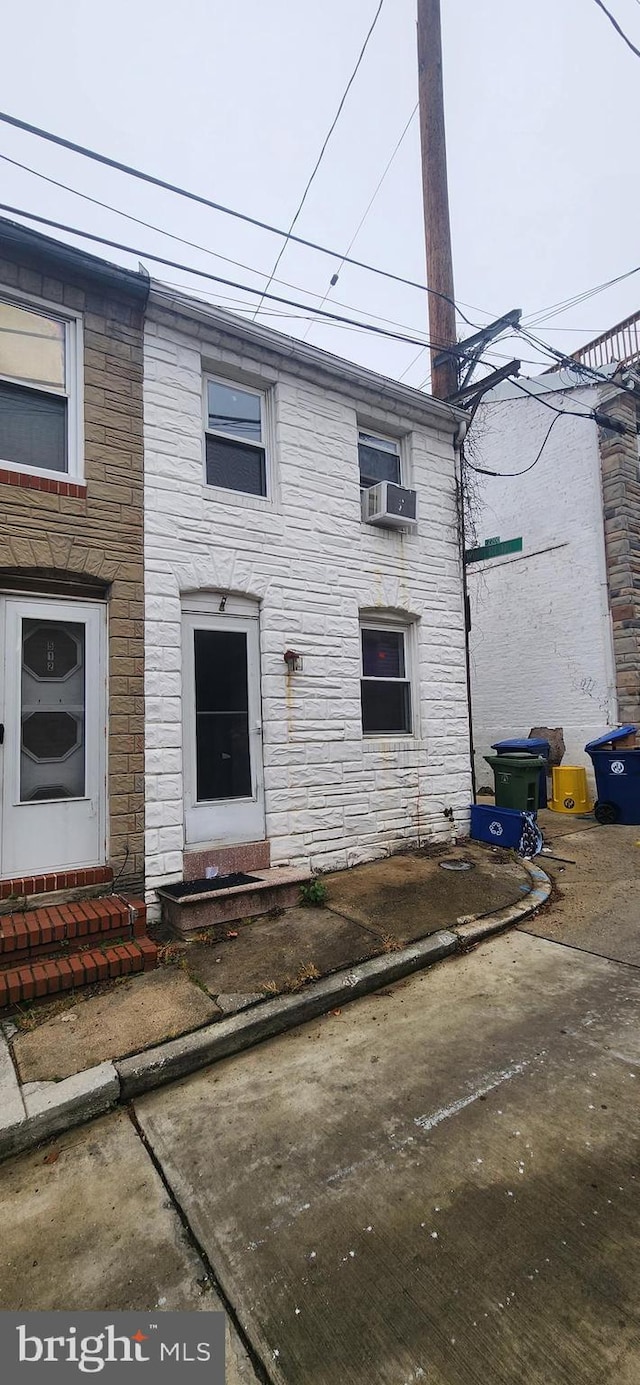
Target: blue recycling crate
[[498, 826]]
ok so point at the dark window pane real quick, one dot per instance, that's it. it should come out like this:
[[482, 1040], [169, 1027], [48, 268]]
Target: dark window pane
[[385, 707], [222, 717], [379, 461], [33, 428], [234, 411], [383, 654], [236, 465]]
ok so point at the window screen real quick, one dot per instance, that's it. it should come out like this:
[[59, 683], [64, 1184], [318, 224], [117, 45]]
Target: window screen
[[235, 452], [33, 428], [379, 460]]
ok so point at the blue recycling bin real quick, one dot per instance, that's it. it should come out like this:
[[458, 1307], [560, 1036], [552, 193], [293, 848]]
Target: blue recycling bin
[[529, 746], [617, 774], [497, 826]]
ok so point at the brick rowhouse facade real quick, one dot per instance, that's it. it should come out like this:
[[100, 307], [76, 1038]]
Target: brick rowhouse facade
[[81, 535], [621, 509]]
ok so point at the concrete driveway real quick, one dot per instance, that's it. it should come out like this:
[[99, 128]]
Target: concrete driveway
[[439, 1184]]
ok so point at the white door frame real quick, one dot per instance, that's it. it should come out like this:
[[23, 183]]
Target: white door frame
[[60, 834], [222, 822]]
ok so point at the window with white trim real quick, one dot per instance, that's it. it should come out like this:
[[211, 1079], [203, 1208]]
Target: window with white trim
[[385, 685], [235, 437], [379, 459], [38, 389]]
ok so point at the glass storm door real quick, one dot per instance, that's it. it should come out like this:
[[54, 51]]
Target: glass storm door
[[224, 792], [52, 758]]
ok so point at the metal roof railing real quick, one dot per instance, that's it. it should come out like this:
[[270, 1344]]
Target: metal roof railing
[[620, 344]]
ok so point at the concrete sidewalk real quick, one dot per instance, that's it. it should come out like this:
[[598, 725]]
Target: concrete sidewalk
[[93, 1053]]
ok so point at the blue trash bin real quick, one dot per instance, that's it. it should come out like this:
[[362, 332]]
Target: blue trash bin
[[498, 826], [530, 746], [617, 778]]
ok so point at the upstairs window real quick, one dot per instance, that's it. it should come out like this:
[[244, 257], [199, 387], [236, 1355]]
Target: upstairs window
[[36, 380], [379, 459], [385, 685], [236, 457]]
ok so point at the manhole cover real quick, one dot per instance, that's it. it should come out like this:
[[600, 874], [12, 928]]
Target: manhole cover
[[456, 865]]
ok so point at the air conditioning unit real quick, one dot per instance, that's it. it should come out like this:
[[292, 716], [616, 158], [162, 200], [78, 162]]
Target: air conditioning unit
[[390, 506]]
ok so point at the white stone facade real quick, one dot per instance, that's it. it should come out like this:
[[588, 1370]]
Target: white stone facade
[[332, 797], [541, 634]]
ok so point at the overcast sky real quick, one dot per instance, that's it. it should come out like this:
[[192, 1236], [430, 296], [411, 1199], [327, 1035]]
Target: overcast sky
[[233, 99]]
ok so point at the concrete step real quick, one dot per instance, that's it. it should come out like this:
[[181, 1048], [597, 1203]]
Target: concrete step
[[275, 888], [35, 980]]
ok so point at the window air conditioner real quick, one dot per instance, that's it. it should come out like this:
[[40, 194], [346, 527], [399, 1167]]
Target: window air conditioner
[[390, 506]]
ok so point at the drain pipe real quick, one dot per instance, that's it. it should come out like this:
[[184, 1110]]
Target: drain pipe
[[458, 442]]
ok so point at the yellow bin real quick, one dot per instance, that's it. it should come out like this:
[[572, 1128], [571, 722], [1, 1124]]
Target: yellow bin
[[570, 790]]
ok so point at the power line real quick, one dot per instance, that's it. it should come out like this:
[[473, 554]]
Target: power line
[[483, 471], [337, 272], [194, 245], [618, 28], [536, 318], [322, 151], [216, 278], [219, 207]]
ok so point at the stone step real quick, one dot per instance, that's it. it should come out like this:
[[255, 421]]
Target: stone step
[[35, 980], [32, 933], [275, 888]]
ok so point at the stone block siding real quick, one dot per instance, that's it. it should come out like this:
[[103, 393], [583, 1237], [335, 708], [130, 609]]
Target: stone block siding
[[96, 535], [332, 798], [541, 649], [621, 505]]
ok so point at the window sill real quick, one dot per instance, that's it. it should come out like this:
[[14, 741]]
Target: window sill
[[244, 499], [394, 740], [51, 485]]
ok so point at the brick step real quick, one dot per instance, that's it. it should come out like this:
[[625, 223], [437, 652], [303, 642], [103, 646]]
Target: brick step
[[36, 932], [46, 978], [24, 891]]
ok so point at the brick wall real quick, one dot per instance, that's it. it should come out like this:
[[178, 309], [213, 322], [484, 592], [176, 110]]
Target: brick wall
[[92, 532], [332, 797], [621, 504]]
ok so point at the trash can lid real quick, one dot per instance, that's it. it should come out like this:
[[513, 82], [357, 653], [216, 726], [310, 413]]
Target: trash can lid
[[532, 743], [609, 737], [515, 760]]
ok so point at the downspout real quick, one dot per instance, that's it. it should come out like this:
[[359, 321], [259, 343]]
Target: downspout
[[458, 443]]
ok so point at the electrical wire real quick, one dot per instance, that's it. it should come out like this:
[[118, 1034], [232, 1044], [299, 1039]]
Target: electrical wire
[[336, 274], [216, 278], [322, 151], [618, 28], [536, 318], [483, 471], [194, 245], [227, 211]]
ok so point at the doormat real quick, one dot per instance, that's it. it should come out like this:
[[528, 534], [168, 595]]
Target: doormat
[[185, 888]]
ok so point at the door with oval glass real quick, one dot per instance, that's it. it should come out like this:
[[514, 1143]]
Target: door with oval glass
[[223, 772], [53, 752]]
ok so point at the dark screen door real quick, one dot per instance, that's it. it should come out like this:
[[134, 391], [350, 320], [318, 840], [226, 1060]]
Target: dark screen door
[[223, 760]]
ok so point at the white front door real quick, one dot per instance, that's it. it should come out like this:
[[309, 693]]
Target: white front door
[[53, 711], [224, 782]]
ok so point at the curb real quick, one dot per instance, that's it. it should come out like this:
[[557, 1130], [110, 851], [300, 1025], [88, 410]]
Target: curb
[[38, 1110]]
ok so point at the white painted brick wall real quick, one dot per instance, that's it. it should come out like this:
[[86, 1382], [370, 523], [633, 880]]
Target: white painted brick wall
[[541, 643], [332, 797]]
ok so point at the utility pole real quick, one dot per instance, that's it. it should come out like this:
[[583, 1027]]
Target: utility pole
[[442, 316]]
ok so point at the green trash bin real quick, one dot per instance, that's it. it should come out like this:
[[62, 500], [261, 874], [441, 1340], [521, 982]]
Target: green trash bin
[[517, 781]]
